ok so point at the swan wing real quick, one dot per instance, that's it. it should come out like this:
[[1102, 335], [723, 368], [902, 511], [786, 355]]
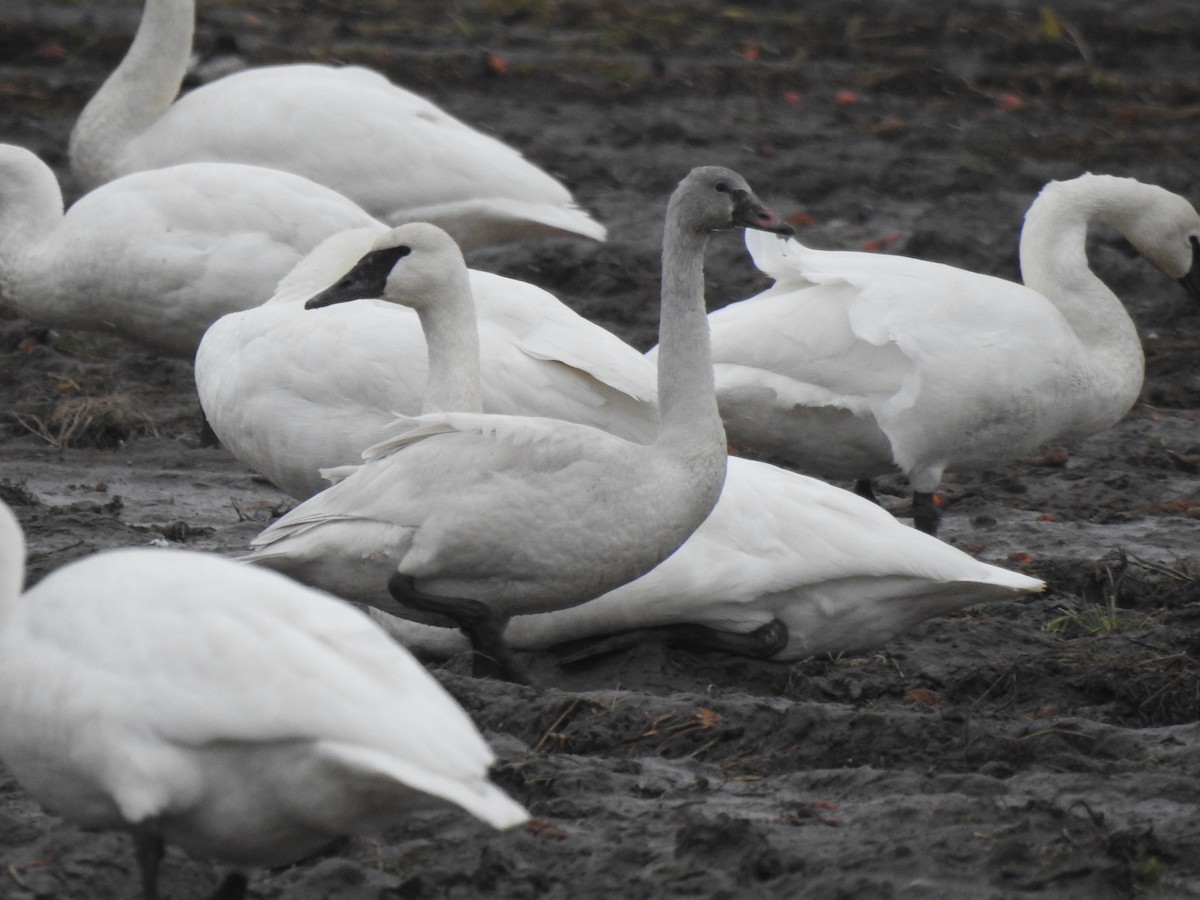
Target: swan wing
[[145, 656]]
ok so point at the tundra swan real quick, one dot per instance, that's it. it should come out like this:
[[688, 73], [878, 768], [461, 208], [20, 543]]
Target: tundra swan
[[396, 154], [188, 699], [785, 566], [157, 256], [853, 365], [482, 517], [290, 391]]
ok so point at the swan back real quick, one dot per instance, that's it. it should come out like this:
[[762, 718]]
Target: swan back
[[248, 717]]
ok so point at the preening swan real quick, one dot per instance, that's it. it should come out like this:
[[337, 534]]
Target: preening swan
[[223, 708], [785, 567], [157, 256], [290, 391], [482, 517], [853, 365], [396, 154]]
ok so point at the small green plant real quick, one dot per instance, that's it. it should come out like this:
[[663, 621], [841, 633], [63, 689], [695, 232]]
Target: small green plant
[[1089, 619]]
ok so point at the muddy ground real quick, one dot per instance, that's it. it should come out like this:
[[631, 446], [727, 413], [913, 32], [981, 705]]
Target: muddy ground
[[1044, 748]]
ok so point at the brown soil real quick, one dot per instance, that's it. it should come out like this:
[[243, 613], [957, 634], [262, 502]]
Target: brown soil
[[989, 754]]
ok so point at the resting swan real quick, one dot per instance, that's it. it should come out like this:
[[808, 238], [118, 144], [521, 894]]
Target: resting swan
[[290, 391], [396, 154], [157, 256], [226, 709], [784, 568], [854, 365], [482, 517]]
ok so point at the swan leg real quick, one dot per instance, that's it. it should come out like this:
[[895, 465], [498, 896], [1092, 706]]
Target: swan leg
[[762, 643], [232, 887], [148, 848], [926, 516], [483, 628], [864, 489]]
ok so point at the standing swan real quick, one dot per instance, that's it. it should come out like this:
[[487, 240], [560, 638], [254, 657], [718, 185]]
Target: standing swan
[[191, 700], [482, 517], [854, 365], [285, 397], [157, 256], [396, 154]]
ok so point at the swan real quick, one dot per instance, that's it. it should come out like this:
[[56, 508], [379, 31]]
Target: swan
[[396, 154], [188, 699], [853, 365], [291, 391], [157, 256], [785, 567], [482, 517]]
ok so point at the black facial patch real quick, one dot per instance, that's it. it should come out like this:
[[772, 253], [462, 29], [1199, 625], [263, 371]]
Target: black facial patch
[[366, 279]]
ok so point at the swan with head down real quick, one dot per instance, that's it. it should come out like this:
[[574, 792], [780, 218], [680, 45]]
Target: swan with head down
[[191, 700], [854, 365], [157, 256]]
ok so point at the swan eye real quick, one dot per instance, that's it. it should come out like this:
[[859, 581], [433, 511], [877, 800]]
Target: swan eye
[[723, 187]]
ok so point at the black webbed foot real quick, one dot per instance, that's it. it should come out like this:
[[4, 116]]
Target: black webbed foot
[[485, 630]]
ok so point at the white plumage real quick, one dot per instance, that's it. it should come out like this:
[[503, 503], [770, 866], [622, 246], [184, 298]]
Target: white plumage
[[290, 391], [839, 573], [222, 708], [854, 365], [513, 515], [157, 256], [396, 154]]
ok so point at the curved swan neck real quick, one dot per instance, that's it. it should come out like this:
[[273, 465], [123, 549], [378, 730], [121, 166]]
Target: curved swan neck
[[1053, 252], [31, 208], [452, 335], [137, 93], [12, 560], [687, 402]]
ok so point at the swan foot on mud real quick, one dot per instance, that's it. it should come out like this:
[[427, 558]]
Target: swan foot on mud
[[484, 629]]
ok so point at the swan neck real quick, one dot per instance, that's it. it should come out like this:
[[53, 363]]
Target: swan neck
[[31, 209], [12, 560], [686, 394], [452, 335], [1053, 256], [137, 93]]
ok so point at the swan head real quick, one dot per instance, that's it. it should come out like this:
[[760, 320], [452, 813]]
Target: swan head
[[713, 198], [1162, 226], [413, 265]]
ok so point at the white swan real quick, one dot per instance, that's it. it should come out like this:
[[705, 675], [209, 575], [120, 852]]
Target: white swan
[[396, 154], [779, 549], [785, 567], [157, 256], [853, 365], [482, 517], [290, 391], [223, 708]]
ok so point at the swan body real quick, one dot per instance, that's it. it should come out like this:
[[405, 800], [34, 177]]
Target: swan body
[[222, 708], [518, 514], [157, 256], [396, 154], [838, 572], [854, 365], [291, 391]]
